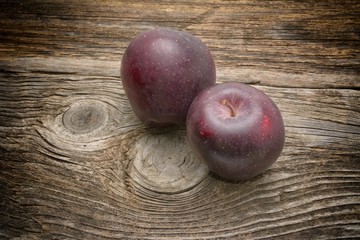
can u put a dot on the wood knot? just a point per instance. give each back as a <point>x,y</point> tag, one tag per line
<point>164,163</point>
<point>85,117</point>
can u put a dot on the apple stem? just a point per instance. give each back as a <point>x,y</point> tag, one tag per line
<point>231,107</point>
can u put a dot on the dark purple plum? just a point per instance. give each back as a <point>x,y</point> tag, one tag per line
<point>162,71</point>
<point>236,129</point>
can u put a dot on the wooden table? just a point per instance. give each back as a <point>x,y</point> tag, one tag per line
<point>75,163</point>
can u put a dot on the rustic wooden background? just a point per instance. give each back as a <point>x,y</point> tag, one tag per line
<point>75,163</point>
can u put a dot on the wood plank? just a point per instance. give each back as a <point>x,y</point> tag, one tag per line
<point>265,39</point>
<point>75,162</point>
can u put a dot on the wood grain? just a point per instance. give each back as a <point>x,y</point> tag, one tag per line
<point>75,162</point>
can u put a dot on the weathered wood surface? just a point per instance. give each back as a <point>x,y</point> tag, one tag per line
<point>75,163</point>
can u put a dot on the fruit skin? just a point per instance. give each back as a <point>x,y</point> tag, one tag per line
<point>236,129</point>
<point>162,71</point>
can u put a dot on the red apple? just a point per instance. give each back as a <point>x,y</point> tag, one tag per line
<point>236,130</point>
<point>162,71</point>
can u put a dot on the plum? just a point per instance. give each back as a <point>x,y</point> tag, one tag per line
<point>162,71</point>
<point>236,129</point>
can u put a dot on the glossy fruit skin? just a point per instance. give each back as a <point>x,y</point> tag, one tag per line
<point>162,71</point>
<point>236,147</point>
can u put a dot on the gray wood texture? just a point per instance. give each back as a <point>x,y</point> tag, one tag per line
<point>75,163</point>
